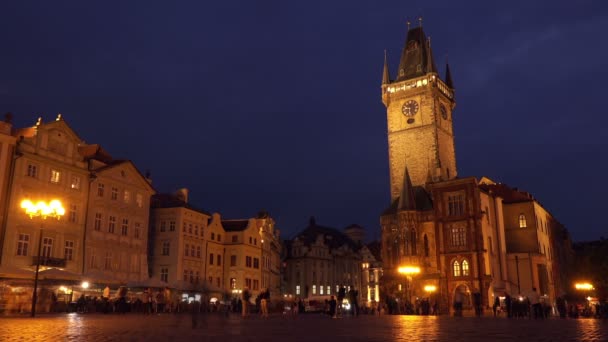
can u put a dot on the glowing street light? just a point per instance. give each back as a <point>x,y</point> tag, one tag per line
<point>583,286</point>
<point>85,285</point>
<point>42,210</point>
<point>409,270</point>
<point>430,288</point>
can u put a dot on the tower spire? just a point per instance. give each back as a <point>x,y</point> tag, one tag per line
<point>448,75</point>
<point>407,199</point>
<point>386,79</point>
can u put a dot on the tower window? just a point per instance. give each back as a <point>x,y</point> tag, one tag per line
<point>522,221</point>
<point>458,237</point>
<point>465,268</point>
<point>456,268</point>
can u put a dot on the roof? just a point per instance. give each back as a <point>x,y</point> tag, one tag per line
<point>417,57</point>
<point>95,151</point>
<point>422,199</point>
<point>172,201</point>
<point>509,195</point>
<point>332,237</point>
<point>235,225</point>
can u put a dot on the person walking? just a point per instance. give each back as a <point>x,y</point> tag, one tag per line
<point>245,296</point>
<point>264,298</point>
<point>535,303</point>
<point>332,307</point>
<point>496,305</point>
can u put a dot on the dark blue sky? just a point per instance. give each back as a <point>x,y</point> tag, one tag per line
<point>276,104</point>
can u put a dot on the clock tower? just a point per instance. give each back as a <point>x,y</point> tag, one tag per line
<point>419,108</point>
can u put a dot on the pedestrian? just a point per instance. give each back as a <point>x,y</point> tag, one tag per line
<point>535,303</point>
<point>508,305</point>
<point>341,295</point>
<point>332,307</point>
<point>195,309</point>
<point>245,296</point>
<point>264,298</point>
<point>496,305</point>
<point>458,303</point>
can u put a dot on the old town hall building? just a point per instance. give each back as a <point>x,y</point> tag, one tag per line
<point>443,234</point>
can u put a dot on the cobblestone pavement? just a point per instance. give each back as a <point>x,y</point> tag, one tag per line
<point>316,328</point>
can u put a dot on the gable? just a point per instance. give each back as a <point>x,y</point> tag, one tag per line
<point>125,172</point>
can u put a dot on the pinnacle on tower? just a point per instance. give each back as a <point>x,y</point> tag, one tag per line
<point>386,78</point>
<point>448,76</point>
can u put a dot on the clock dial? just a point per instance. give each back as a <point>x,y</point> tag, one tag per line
<point>444,112</point>
<point>410,108</point>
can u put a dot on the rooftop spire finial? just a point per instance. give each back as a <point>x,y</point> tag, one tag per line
<point>408,25</point>
<point>420,21</point>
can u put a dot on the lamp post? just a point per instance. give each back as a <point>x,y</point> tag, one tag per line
<point>430,289</point>
<point>41,210</point>
<point>409,271</point>
<point>585,288</point>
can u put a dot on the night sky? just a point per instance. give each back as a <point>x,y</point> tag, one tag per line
<point>276,104</point>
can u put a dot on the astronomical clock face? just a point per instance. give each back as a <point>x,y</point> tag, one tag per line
<point>410,108</point>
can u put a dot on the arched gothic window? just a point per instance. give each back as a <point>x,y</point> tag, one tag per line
<point>456,268</point>
<point>426,246</point>
<point>522,221</point>
<point>465,268</point>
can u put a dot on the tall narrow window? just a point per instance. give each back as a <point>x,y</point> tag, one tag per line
<point>69,250</point>
<point>166,246</point>
<point>522,221</point>
<point>171,226</point>
<point>137,230</point>
<point>73,213</point>
<point>456,268</point>
<point>97,221</point>
<point>219,260</point>
<point>233,260</point>
<point>22,244</point>
<point>47,247</point>
<point>75,184</point>
<point>187,250</point>
<point>233,283</point>
<point>108,261</point>
<point>55,176</point>
<point>32,170</point>
<point>140,200</point>
<point>298,289</point>
<point>211,259</point>
<point>164,274</point>
<point>314,289</point>
<point>465,268</point>
<point>127,196</point>
<point>111,224</point>
<point>198,251</point>
<point>426,246</point>
<point>114,194</point>
<point>455,205</point>
<point>100,189</point>
<point>124,230</point>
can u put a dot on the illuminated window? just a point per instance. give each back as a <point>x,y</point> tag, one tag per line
<point>522,221</point>
<point>314,289</point>
<point>328,290</point>
<point>69,250</point>
<point>75,184</point>
<point>458,237</point>
<point>23,244</point>
<point>140,200</point>
<point>297,289</point>
<point>456,268</point>
<point>127,196</point>
<point>465,268</point>
<point>320,290</point>
<point>233,283</point>
<point>55,176</point>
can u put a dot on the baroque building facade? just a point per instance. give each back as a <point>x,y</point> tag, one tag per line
<point>446,237</point>
<point>209,254</point>
<point>50,161</point>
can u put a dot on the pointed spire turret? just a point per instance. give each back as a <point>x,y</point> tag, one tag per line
<point>448,76</point>
<point>417,58</point>
<point>386,78</point>
<point>407,201</point>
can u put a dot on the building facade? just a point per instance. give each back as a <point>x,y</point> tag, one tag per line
<point>445,237</point>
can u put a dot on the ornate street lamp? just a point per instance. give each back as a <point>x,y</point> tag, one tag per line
<point>409,272</point>
<point>41,210</point>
